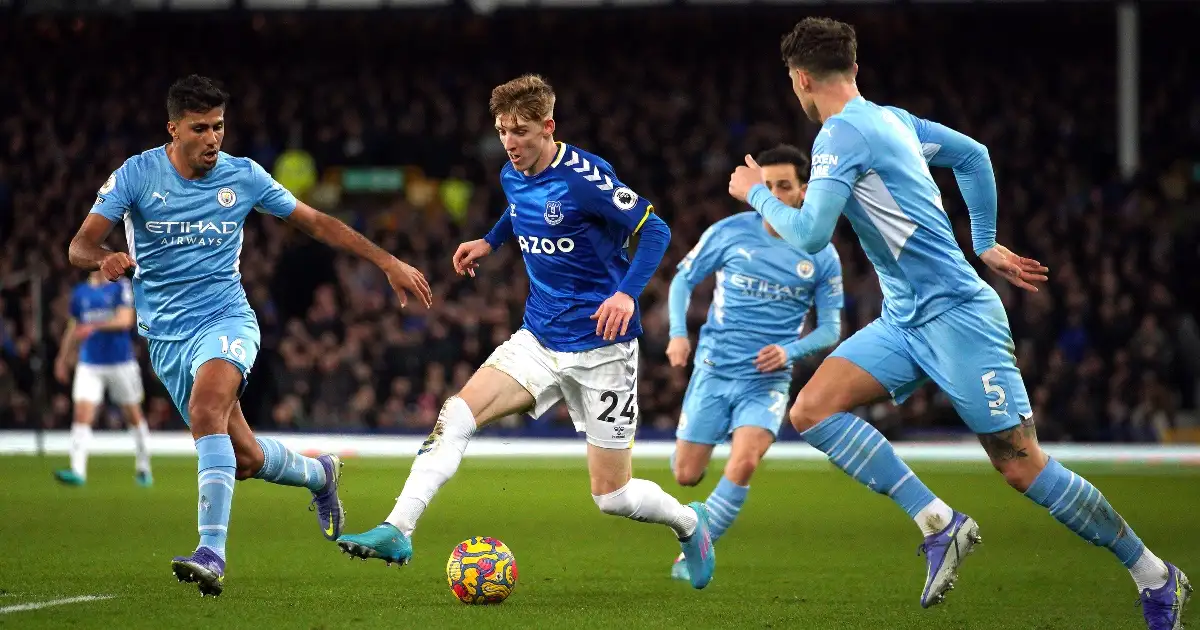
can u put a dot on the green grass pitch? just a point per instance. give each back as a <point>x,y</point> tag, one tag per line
<point>810,550</point>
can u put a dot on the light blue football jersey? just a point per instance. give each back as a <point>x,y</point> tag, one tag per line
<point>764,289</point>
<point>874,156</point>
<point>186,236</point>
<point>98,303</point>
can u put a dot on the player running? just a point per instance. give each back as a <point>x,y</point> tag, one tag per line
<point>940,320</point>
<point>99,331</point>
<point>743,372</point>
<point>184,206</point>
<point>572,218</point>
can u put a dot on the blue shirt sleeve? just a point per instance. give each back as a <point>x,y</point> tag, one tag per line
<point>704,258</point>
<point>272,197</point>
<point>840,156</point>
<point>501,232</point>
<point>828,293</point>
<point>811,227</point>
<point>945,147</point>
<point>600,193</point>
<point>119,192</point>
<point>651,247</point>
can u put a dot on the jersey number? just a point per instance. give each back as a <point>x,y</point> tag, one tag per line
<point>989,390</point>
<point>236,349</point>
<point>629,411</point>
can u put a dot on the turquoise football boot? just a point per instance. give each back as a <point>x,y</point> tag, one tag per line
<point>67,477</point>
<point>385,542</point>
<point>700,557</point>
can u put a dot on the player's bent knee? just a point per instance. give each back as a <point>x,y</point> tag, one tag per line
<point>808,411</point>
<point>688,474</point>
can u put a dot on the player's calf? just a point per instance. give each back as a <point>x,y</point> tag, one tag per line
<point>1074,502</point>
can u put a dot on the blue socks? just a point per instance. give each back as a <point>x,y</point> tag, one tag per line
<point>1079,505</point>
<point>216,467</point>
<point>723,506</point>
<point>863,453</point>
<point>288,468</point>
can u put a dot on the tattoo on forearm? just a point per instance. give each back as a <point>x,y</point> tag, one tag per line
<point>1010,444</point>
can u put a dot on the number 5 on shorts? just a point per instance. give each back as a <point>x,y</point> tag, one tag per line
<point>236,349</point>
<point>778,402</point>
<point>997,403</point>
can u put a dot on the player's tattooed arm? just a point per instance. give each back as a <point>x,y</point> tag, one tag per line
<point>334,233</point>
<point>1011,444</point>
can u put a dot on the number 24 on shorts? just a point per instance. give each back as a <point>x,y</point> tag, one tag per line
<point>236,349</point>
<point>612,399</point>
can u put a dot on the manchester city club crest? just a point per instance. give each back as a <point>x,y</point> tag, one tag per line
<point>554,213</point>
<point>226,197</point>
<point>805,269</point>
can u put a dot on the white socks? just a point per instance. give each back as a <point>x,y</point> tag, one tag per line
<point>645,501</point>
<point>436,463</point>
<point>141,442</point>
<point>1149,572</point>
<point>81,437</point>
<point>934,517</point>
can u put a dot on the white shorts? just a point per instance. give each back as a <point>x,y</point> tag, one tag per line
<point>122,381</point>
<point>599,385</point>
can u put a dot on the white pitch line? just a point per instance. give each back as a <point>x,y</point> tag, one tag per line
<point>54,602</point>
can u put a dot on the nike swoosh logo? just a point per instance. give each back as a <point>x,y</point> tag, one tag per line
<point>329,530</point>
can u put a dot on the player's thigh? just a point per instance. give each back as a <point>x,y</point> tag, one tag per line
<point>600,387</point>
<point>873,364</point>
<point>968,351</point>
<point>88,385</point>
<point>707,412</point>
<point>762,404</point>
<point>518,376</point>
<point>124,384</point>
<point>171,362</point>
<point>609,469</point>
<point>224,352</point>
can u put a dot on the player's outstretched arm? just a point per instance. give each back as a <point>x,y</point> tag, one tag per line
<point>810,228</point>
<point>466,257</point>
<point>87,249</point>
<point>704,259</point>
<point>322,227</point>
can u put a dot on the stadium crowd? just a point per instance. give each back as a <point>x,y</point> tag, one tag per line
<point>1109,349</point>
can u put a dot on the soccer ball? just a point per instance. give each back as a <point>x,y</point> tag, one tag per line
<point>481,571</point>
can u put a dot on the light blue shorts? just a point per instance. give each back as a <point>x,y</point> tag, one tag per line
<point>234,337</point>
<point>714,407</point>
<point>968,351</point>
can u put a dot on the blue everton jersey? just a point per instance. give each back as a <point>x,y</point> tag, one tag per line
<point>186,236</point>
<point>873,156</point>
<point>572,222</point>
<point>96,304</point>
<point>764,289</point>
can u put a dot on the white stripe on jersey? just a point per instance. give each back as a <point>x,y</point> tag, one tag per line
<point>719,298</point>
<point>875,198</point>
<point>129,241</point>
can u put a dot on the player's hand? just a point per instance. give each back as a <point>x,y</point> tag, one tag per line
<point>1016,269</point>
<point>744,178</point>
<point>771,358</point>
<point>115,265</point>
<point>83,331</point>
<point>405,279</point>
<point>678,350</point>
<point>62,372</point>
<point>466,258</point>
<point>612,318</point>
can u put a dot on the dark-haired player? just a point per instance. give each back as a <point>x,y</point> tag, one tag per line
<point>572,219</point>
<point>184,205</point>
<point>739,387</point>
<point>940,321</point>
